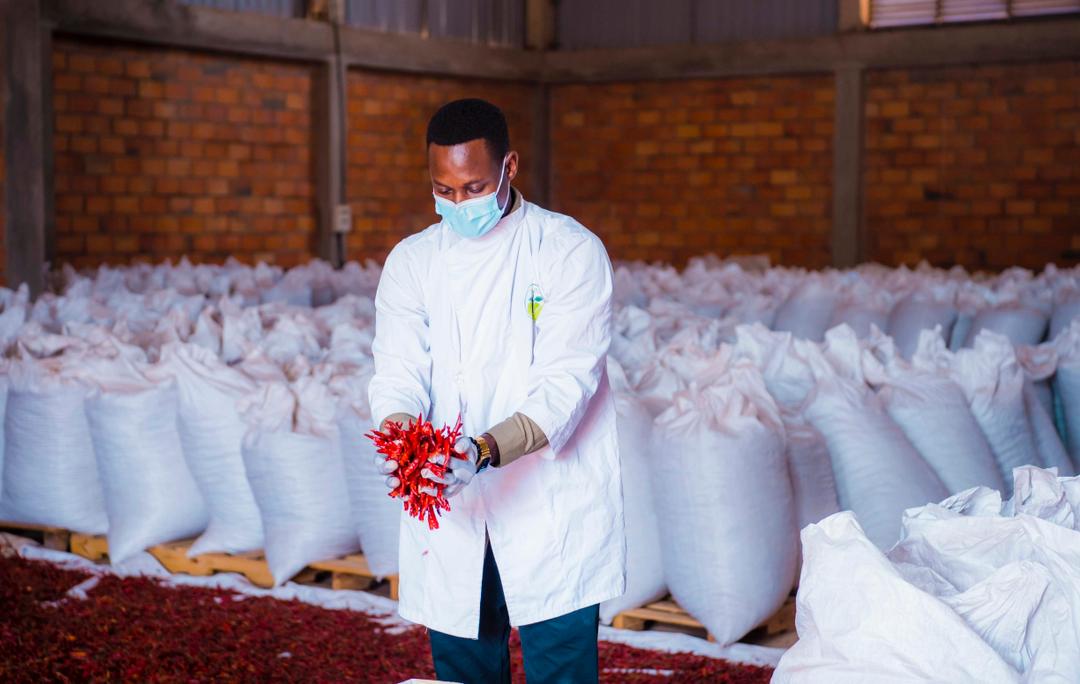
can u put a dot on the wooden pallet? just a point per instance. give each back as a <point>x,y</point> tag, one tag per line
<point>353,572</point>
<point>777,629</point>
<point>57,538</point>
<point>350,572</point>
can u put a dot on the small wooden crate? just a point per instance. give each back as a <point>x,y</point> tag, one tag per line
<point>57,538</point>
<point>779,626</point>
<point>351,572</point>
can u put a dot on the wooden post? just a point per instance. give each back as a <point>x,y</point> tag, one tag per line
<point>540,161</point>
<point>849,246</point>
<point>539,24</point>
<point>852,15</point>
<point>25,187</point>
<point>328,109</point>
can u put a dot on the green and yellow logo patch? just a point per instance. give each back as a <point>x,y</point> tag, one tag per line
<point>534,301</point>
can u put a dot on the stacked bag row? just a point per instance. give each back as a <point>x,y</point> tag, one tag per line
<point>975,590</point>
<point>228,403</point>
<point>163,415</point>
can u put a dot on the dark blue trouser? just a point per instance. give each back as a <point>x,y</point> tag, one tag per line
<point>561,650</point>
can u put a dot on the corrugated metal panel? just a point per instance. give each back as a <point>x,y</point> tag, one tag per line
<point>280,8</point>
<point>720,21</point>
<point>623,23</point>
<point>397,16</point>
<point>639,23</point>
<point>485,22</point>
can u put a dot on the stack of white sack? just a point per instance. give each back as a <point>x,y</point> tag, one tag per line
<point>376,516</point>
<point>125,387</point>
<point>1000,395</point>
<point>150,494</point>
<point>981,375</point>
<point>1067,385</point>
<point>644,564</point>
<point>974,591</point>
<point>50,474</point>
<point>785,369</point>
<point>293,459</point>
<point>724,503</point>
<point>211,433</point>
<point>878,471</point>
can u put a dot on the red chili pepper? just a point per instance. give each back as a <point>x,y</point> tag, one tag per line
<point>413,448</point>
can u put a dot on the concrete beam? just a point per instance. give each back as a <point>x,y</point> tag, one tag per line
<point>171,23</point>
<point>848,240</point>
<point>188,26</point>
<point>24,143</point>
<point>931,46</point>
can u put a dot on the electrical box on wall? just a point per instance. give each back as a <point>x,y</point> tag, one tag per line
<point>343,218</point>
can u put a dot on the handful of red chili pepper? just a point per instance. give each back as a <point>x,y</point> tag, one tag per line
<point>411,447</point>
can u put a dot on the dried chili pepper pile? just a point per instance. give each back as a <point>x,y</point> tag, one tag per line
<point>411,447</point>
<point>137,629</point>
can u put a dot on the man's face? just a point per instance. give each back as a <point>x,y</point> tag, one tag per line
<point>462,172</point>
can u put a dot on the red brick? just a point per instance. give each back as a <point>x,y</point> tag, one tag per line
<point>151,184</point>
<point>983,141</point>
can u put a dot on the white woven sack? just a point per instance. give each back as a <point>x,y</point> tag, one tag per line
<point>914,314</point>
<point>1021,324</point>
<point>211,433</point>
<point>878,471</point>
<point>993,382</point>
<point>724,501</point>
<point>644,562</point>
<point>859,620</point>
<point>375,516</point>
<point>150,495</point>
<point>934,415</point>
<point>293,461</point>
<point>50,474</point>
<point>1067,386</point>
<point>807,312</point>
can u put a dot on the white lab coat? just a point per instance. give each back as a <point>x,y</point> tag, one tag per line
<point>454,334</point>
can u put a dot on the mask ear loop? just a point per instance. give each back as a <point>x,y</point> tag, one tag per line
<point>498,189</point>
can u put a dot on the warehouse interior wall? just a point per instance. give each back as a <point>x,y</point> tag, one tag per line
<point>388,185</point>
<point>976,165</point>
<point>164,152</point>
<point>665,170</point>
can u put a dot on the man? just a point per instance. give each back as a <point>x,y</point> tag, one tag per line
<point>501,313</point>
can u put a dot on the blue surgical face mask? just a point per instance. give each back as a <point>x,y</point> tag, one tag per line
<point>475,217</point>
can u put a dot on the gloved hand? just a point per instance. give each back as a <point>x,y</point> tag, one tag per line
<point>459,472</point>
<point>384,464</point>
<point>387,466</point>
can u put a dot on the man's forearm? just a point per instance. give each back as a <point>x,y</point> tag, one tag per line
<point>517,436</point>
<point>514,437</point>
<point>403,418</point>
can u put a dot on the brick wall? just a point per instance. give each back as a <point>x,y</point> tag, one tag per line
<point>163,153</point>
<point>388,182</point>
<point>667,170</point>
<point>978,166</point>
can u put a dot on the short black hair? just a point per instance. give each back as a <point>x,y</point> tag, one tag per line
<point>462,121</point>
